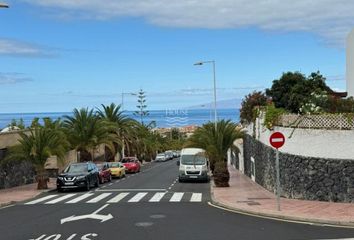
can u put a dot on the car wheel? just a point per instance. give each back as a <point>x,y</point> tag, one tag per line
<point>88,185</point>
<point>180,180</point>
<point>97,182</point>
<point>59,189</point>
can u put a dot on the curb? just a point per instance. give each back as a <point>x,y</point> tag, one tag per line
<point>3,205</point>
<point>6,204</point>
<point>278,217</point>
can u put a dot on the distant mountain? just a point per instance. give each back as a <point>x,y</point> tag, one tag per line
<point>223,104</point>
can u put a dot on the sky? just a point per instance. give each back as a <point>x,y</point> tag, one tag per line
<point>57,55</point>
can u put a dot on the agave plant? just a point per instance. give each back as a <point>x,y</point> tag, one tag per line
<point>216,142</point>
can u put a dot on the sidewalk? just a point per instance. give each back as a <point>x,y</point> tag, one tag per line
<point>246,196</point>
<point>10,196</point>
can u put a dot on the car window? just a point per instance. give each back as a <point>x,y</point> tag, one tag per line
<point>114,164</point>
<point>76,168</point>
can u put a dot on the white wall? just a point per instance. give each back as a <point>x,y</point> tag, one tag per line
<point>350,64</point>
<point>312,142</point>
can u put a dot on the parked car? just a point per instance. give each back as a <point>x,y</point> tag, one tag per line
<point>105,172</point>
<point>131,164</point>
<point>117,169</point>
<point>161,157</point>
<point>169,155</point>
<point>78,175</point>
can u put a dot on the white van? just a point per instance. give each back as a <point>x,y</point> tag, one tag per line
<point>193,165</point>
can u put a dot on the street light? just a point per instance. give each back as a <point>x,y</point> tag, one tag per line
<point>4,5</point>
<point>215,114</point>
<point>126,93</point>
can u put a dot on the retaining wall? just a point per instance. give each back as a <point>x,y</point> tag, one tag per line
<point>16,173</point>
<point>310,178</point>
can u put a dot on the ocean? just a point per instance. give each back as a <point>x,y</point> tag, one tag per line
<point>162,118</point>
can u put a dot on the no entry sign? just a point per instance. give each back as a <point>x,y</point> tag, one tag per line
<point>277,140</point>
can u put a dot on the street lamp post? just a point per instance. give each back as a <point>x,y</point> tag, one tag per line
<point>215,114</point>
<point>126,93</point>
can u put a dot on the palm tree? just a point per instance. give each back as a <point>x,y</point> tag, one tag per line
<point>216,143</point>
<point>86,131</point>
<point>37,146</point>
<point>122,125</point>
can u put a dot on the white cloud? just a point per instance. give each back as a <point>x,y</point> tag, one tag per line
<point>13,78</point>
<point>19,48</point>
<point>330,19</point>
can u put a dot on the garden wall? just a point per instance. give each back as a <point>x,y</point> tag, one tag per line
<point>16,173</point>
<point>301,177</point>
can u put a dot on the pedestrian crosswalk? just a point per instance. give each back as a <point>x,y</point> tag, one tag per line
<point>113,197</point>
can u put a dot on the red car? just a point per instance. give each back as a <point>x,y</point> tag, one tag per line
<point>131,164</point>
<point>104,172</point>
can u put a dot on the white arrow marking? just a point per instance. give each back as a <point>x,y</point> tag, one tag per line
<point>93,215</point>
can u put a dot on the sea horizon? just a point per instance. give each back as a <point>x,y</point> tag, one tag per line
<point>162,118</point>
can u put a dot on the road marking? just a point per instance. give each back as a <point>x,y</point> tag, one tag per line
<point>137,197</point>
<point>157,197</point>
<point>131,190</point>
<point>99,197</point>
<point>117,198</point>
<point>176,197</point>
<point>82,197</point>
<point>93,215</point>
<point>61,198</point>
<point>110,184</point>
<point>41,199</point>
<point>196,197</point>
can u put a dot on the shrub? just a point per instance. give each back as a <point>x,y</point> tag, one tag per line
<point>272,116</point>
<point>252,100</point>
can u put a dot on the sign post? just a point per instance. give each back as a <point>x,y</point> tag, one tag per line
<point>277,140</point>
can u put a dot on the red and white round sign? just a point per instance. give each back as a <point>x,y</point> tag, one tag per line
<point>277,140</point>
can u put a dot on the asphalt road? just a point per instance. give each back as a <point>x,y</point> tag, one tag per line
<point>147,205</point>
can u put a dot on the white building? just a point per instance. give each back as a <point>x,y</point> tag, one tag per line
<point>350,64</point>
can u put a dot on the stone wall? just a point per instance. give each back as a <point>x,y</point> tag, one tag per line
<point>310,178</point>
<point>16,173</point>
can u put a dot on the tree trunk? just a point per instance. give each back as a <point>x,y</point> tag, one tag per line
<point>221,175</point>
<point>85,156</point>
<point>42,179</point>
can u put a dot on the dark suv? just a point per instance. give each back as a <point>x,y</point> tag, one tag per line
<point>78,175</point>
